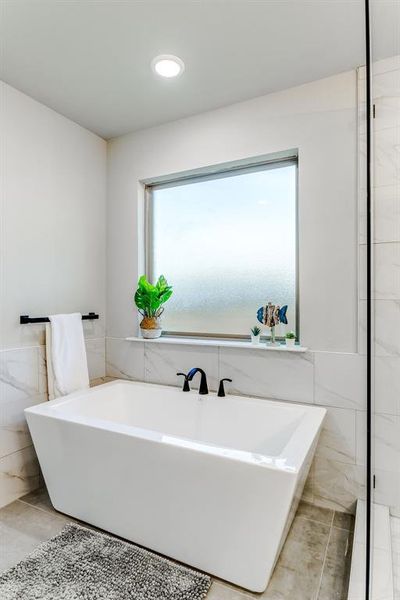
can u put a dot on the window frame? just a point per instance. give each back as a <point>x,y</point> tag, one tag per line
<point>218,172</point>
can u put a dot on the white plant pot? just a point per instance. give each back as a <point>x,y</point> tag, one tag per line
<point>290,343</point>
<point>255,339</point>
<point>150,334</point>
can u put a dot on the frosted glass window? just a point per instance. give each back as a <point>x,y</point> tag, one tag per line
<point>227,244</point>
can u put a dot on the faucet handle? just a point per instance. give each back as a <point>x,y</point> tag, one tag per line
<point>221,389</point>
<point>186,387</point>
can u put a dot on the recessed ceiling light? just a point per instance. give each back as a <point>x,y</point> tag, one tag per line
<point>167,65</point>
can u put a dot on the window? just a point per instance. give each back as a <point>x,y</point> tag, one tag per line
<point>227,243</point>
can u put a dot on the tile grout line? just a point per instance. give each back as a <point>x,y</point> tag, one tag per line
<point>324,523</point>
<point>313,520</point>
<point>342,528</point>
<point>52,513</point>
<point>325,555</point>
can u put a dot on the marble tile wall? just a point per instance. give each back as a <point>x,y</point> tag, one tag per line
<point>23,384</point>
<point>386,285</point>
<point>386,91</point>
<point>335,381</point>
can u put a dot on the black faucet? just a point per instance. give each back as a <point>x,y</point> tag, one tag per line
<point>221,390</point>
<point>203,389</point>
<point>186,387</point>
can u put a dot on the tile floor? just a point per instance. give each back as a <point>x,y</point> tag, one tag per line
<point>314,563</point>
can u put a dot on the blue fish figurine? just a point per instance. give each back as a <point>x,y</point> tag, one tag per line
<point>271,315</point>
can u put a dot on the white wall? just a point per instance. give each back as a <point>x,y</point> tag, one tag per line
<point>52,260</point>
<point>320,119</point>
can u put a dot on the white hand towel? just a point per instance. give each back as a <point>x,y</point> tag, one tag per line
<point>67,369</point>
<point>49,364</point>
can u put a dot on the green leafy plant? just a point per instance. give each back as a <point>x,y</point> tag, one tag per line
<point>255,330</point>
<point>290,335</point>
<point>150,298</point>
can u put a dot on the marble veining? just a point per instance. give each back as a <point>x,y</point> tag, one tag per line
<point>338,437</point>
<point>23,383</point>
<point>19,474</point>
<point>386,91</point>
<point>96,357</point>
<point>387,321</point>
<point>386,215</point>
<point>337,485</point>
<point>386,157</point>
<point>387,271</point>
<point>14,434</point>
<point>386,441</point>
<point>387,384</point>
<point>19,373</point>
<point>162,362</point>
<point>276,375</point>
<point>340,380</point>
<point>123,360</point>
<point>19,388</point>
<point>387,490</point>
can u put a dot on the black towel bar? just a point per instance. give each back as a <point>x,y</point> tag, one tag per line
<point>25,319</point>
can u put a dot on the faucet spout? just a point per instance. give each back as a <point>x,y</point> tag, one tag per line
<point>203,389</point>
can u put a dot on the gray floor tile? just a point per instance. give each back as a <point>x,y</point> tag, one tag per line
<point>292,584</point>
<point>315,513</point>
<point>298,572</point>
<point>220,591</point>
<point>40,499</point>
<point>344,521</point>
<point>22,528</point>
<point>335,575</point>
<point>309,537</point>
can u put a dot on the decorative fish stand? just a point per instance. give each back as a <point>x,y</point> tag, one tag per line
<point>270,316</point>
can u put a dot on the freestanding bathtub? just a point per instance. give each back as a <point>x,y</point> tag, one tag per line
<point>212,482</point>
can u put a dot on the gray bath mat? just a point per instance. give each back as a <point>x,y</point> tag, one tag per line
<point>81,564</point>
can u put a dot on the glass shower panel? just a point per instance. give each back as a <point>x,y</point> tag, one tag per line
<point>385,97</point>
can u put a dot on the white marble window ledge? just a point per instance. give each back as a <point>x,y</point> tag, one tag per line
<point>182,341</point>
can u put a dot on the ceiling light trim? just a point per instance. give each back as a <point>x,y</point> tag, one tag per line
<point>159,64</point>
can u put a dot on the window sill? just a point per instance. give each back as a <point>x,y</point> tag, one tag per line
<point>218,343</point>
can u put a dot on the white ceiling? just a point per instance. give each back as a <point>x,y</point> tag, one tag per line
<point>90,59</point>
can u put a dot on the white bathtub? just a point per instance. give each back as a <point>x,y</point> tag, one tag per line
<point>212,482</point>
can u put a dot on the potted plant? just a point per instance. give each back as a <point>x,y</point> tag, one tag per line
<point>290,339</point>
<point>255,335</point>
<point>149,300</point>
